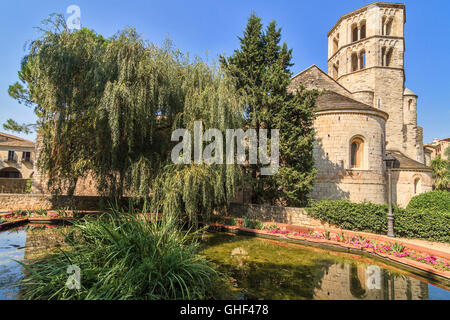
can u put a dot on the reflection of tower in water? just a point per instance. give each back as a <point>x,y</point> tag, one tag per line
<point>351,282</point>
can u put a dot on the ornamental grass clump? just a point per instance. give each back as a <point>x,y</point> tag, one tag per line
<point>124,256</point>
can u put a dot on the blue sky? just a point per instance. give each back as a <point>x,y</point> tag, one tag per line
<point>209,28</point>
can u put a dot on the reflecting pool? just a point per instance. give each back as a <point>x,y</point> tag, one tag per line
<point>25,245</point>
<point>252,268</point>
<point>267,269</point>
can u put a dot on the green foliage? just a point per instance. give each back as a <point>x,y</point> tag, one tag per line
<point>12,125</point>
<point>369,217</point>
<point>271,227</point>
<point>396,247</point>
<point>61,79</point>
<point>28,186</point>
<point>436,200</point>
<point>195,189</point>
<point>124,256</point>
<point>441,172</point>
<point>41,212</point>
<point>253,224</point>
<point>261,69</point>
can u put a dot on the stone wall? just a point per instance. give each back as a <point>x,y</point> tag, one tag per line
<point>313,78</point>
<point>409,183</point>
<point>335,178</point>
<point>13,185</point>
<point>289,215</point>
<point>47,202</point>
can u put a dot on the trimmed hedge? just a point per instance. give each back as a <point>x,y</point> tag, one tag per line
<point>437,200</point>
<point>369,217</point>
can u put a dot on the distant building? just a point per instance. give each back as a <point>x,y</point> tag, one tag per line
<point>16,163</point>
<point>436,148</point>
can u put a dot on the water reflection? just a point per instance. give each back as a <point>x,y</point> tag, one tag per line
<point>25,245</point>
<point>360,282</point>
<point>11,248</point>
<point>264,269</point>
<point>254,268</point>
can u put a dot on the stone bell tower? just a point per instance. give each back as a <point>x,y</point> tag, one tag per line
<point>366,55</point>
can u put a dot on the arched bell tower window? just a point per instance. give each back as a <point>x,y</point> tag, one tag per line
<point>386,56</point>
<point>336,44</point>
<point>356,153</point>
<point>362,30</point>
<point>389,57</point>
<point>389,27</point>
<point>354,32</point>
<point>362,59</point>
<point>354,61</point>
<point>336,70</point>
<point>386,26</point>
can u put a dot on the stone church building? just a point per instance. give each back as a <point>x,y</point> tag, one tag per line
<point>366,111</point>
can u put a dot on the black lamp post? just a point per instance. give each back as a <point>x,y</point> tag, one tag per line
<point>389,160</point>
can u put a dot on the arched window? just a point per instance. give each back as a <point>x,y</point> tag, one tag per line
<point>363,30</point>
<point>10,173</point>
<point>336,44</point>
<point>409,104</point>
<point>386,26</point>
<point>336,70</point>
<point>354,62</point>
<point>354,33</point>
<point>389,27</point>
<point>389,57</point>
<point>362,59</point>
<point>417,186</point>
<point>386,56</point>
<point>356,153</point>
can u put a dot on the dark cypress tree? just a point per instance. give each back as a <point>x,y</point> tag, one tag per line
<point>261,68</point>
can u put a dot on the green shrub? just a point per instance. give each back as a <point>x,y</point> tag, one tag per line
<point>122,256</point>
<point>253,224</point>
<point>369,217</point>
<point>28,186</point>
<point>436,200</point>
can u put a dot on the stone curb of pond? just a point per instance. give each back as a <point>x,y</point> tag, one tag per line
<point>429,270</point>
<point>372,236</point>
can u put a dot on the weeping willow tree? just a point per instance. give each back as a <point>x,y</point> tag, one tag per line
<point>141,96</point>
<point>106,108</point>
<point>59,78</point>
<point>196,189</point>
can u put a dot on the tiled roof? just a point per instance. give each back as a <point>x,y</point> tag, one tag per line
<point>404,162</point>
<point>331,100</point>
<point>13,141</point>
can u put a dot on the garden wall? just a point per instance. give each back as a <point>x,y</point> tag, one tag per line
<point>265,213</point>
<point>13,185</point>
<point>47,202</point>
